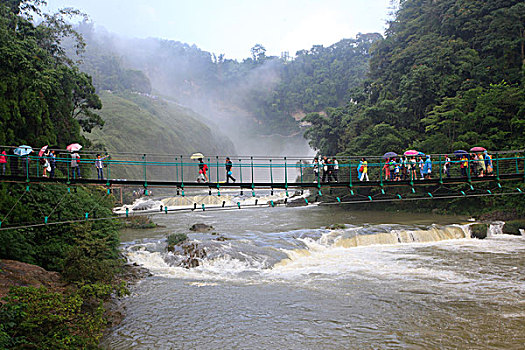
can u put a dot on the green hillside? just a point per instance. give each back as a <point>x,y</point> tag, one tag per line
<point>137,123</point>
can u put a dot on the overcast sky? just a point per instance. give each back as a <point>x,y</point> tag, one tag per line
<point>232,27</point>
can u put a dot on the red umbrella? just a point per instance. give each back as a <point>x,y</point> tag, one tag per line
<point>74,147</point>
<point>477,149</point>
<point>42,151</point>
<point>411,153</point>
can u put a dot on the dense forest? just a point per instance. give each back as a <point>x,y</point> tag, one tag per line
<point>448,75</point>
<point>260,95</point>
<point>46,99</point>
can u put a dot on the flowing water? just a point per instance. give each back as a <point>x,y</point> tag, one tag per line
<point>282,280</point>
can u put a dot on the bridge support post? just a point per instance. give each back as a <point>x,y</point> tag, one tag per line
<point>440,171</point>
<point>176,170</point>
<point>240,172</point>
<point>145,178</point>
<point>301,170</point>
<point>285,177</point>
<point>253,186</point>
<point>217,158</point>
<point>181,176</point>
<point>271,177</point>
<point>497,166</point>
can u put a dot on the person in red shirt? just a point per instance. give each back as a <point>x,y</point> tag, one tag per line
<point>203,169</point>
<point>3,161</point>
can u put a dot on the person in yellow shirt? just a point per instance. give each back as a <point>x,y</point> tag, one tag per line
<point>364,173</point>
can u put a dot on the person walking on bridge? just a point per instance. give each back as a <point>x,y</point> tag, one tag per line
<point>315,167</point>
<point>52,163</point>
<point>3,161</point>
<point>363,167</point>
<point>229,165</point>
<point>75,165</point>
<point>324,163</point>
<point>336,169</point>
<point>203,168</point>
<point>100,166</point>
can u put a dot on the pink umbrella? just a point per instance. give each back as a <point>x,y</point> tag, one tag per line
<point>477,149</point>
<point>42,150</point>
<point>74,147</point>
<point>411,153</point>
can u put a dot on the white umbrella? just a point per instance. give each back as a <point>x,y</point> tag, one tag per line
<point>197,155</point>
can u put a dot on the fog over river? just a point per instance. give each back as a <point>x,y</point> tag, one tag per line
<point>282,280</point>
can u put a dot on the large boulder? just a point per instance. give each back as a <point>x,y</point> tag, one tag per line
<point>513,227</point>
<point>194,254</point>
<point>478,231</point>
<point>201,228</point>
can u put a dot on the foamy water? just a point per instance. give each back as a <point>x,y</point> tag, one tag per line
<point>283,280</point>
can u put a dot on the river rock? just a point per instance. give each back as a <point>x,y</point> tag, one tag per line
<point>513,227</point>
<point>478,231</point>
<point>296,202</point>
<point>194,254</point>
<point>201,228</point>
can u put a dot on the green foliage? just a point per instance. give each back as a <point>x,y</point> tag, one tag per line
<point>139,222</point>
<point>44,99</point>
<point>176,238</point>
<point>478,231</point>
<point>38,318</point>
<point>56,247</point>
<point>139,122</point>
<point>448,75</point>
<point>513,227</point>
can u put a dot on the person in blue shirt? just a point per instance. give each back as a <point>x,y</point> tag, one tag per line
<point>427,168</point>
<point>488,163</point>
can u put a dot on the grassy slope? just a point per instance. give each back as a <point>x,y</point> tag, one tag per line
<point>141,124</point>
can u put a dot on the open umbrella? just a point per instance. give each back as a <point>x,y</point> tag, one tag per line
<point>477,149</point>
<point>23,150</point>
<point>74,147</point>
<point>42,150</point>
<point>390,155</point>
<point>411,153</point>
<point>460,152</point>
<point>197,155</point>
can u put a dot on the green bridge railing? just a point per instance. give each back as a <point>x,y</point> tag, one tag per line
<point>250,171</point>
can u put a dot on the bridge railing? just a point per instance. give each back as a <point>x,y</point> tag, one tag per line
<point>248,169</point>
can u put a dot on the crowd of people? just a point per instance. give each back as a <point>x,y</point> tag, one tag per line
<point>408,167</point>
<point>47,164</point>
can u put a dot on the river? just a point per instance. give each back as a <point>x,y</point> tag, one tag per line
<point>282,280</point>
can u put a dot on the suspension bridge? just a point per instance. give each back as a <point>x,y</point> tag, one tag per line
<point>256,175</point>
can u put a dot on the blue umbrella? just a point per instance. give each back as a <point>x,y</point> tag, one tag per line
<point>390,155</point>
<point>23,150</point>
<point>460,152</point>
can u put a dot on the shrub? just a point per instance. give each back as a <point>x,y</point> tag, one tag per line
<point>478,231</point>
<point>176,238</point>
<point>513,227</point>
<point>41,319</point>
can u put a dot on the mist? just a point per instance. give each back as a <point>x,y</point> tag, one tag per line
<point>221,91</point>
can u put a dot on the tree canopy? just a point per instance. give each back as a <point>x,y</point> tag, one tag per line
<point>449,74</point>
<point>44,97</point>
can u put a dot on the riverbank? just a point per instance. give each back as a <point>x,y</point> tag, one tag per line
<point>33,298</point>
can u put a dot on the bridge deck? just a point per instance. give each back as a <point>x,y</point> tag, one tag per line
<point>261,185</point>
